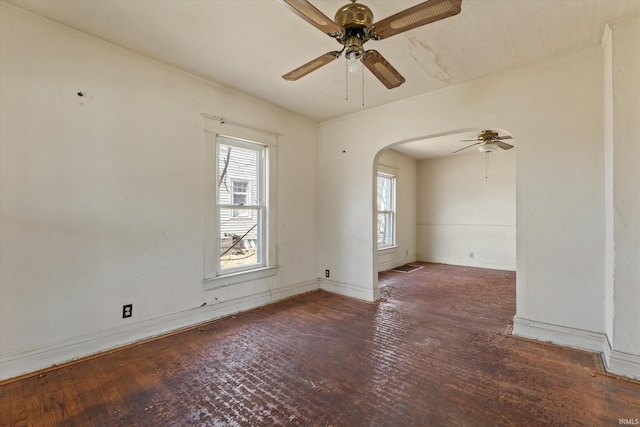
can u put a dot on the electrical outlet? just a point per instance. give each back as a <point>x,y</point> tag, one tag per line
<point>471,255</point>
<point>326,273</point>
<point>127,311</point>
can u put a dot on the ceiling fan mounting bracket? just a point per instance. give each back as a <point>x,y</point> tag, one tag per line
<point>372,34</point>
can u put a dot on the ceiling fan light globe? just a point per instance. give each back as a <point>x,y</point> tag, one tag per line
<point>487,148</point>
<point>353,65</point>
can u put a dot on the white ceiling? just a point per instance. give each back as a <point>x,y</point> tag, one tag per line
<point>249,44</point>
<point>445,145</point>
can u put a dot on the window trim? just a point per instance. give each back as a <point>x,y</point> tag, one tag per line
<point>213,278</point>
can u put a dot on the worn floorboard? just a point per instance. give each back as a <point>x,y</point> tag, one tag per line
<point>434,351</point>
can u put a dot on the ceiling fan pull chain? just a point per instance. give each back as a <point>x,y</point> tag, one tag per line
<point>486,165</point>
<point>362,86</point>
<point>346,80</point>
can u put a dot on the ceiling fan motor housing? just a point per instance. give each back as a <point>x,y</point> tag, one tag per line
<point>354,16</point>
<point>487,135</point>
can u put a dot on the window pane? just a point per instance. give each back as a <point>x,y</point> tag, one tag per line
<point>385,229</point>
<point>385,203</point>
<point>240,206</point>
<point>240,186</point>
<point>384,193</point>
<point>237,175</point>
<point>239,239</point>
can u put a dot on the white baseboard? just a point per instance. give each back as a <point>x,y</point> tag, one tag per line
<point>32,359</point>
<point>561,335</point>
<point>29,360</point>
<point>491,264</point>
<point>624,364</point>
<point>616,362</point>
<point>353,291</point>
<point>388,265</point>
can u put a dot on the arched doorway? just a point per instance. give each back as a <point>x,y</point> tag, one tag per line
<point>448,208</point>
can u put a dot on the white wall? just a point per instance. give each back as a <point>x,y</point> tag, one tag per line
<point>554,111</point>
<point>102,204</point>
<point>102,196</point>
<point>622,145</point>
<point>467,209</point>
<point>404,168</point>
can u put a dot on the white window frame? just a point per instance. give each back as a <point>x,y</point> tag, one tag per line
<point>214,277</point>
<point>390,212</point>
<point>249,209</point>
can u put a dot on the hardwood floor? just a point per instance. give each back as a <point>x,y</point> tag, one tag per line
<point>434,351</point>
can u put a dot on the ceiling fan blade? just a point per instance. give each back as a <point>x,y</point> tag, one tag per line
<point>311,66</point>
<point>469,140</point>
<point>381,68</point>
<point>313,16</point>
<point>468,146</point>
<point>416,16</point>
<point>503,145</point>
<point>504,137</point>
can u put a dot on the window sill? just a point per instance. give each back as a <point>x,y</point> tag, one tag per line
<point>211,283</point>
<point>387,250</point>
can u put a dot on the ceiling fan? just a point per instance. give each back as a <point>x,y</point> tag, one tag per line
<point>354,26</point>
<point>488,141</point>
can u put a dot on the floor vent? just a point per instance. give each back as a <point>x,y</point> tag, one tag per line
<point>408,268</point>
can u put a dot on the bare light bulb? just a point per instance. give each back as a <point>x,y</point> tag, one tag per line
<point>353,65</point>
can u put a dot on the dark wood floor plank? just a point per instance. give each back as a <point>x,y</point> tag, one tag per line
<point>31,394</point>
<point>13,411</point>
<point>434,350</point>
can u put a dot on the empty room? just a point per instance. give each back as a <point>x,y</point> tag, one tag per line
<point>211,213</point>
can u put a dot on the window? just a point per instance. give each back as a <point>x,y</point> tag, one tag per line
<point>240,217</point>
<point>240,195</point>
<point>240,183</point>
<point>386,210</point>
